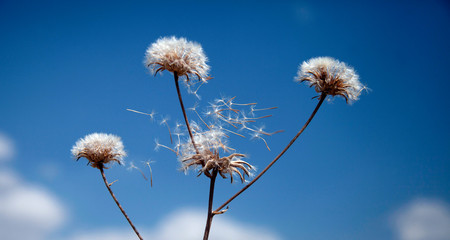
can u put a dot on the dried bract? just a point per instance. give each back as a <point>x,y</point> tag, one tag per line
<point>99,149</point>
<point>332,77</point>
<point>177,55</point>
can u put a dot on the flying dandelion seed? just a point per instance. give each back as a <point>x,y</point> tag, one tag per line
<point>152,114</point>
<point>132,166</point>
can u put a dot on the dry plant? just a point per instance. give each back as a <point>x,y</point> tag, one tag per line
<point>100,149</point>
<point>207,149</point>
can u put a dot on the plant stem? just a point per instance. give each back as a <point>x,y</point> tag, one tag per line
<point>118,204</point>
<point>175,74</point>
<point>321,99</point>
<point>210,203</point>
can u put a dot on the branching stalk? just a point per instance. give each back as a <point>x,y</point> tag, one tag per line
<point>321,99</point>
<point>118,204</point>
<point>210,203</point>
<point>175,74</point>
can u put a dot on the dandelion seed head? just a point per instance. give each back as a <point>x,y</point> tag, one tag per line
<point>99,149</point>
<point>194,92</point>
<point>164,120</point>
<point>330,76</point>
<point>194,108</point>
<point>252,110</point>
<point>157,144</point>
<point>132,166</point>
<point>255,135</point>
<point>152,115</point>
<point>178,55</point>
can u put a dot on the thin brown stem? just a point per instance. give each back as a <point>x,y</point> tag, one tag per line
<point>210,203</point>
<point>117,202</point>
<point>175,74</point>
<point>321,99</point>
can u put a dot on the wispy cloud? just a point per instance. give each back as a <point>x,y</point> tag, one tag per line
<point>423,219</point>
<point>6,148</point>
<point>187,224</point>
<point>27,211</point>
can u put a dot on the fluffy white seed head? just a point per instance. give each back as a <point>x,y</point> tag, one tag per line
<point>332,77</point>
<point>177,55</point>
<point>210,144</point>
<point>208,141</point>
<point>99,149</point>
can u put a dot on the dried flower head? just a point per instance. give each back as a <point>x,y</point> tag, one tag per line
<point>209,144</point>
<point>328,75</point>
<point>99,149</point>
<point>177,55</point>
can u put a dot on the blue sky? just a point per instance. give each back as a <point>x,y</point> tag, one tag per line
<point>70,68</point>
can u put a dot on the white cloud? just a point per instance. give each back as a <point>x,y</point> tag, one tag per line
<point>6,148</point>
<point>423,219</point>
<point>108,234</point>
<point>27,211</point>
<point>187,224</point>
